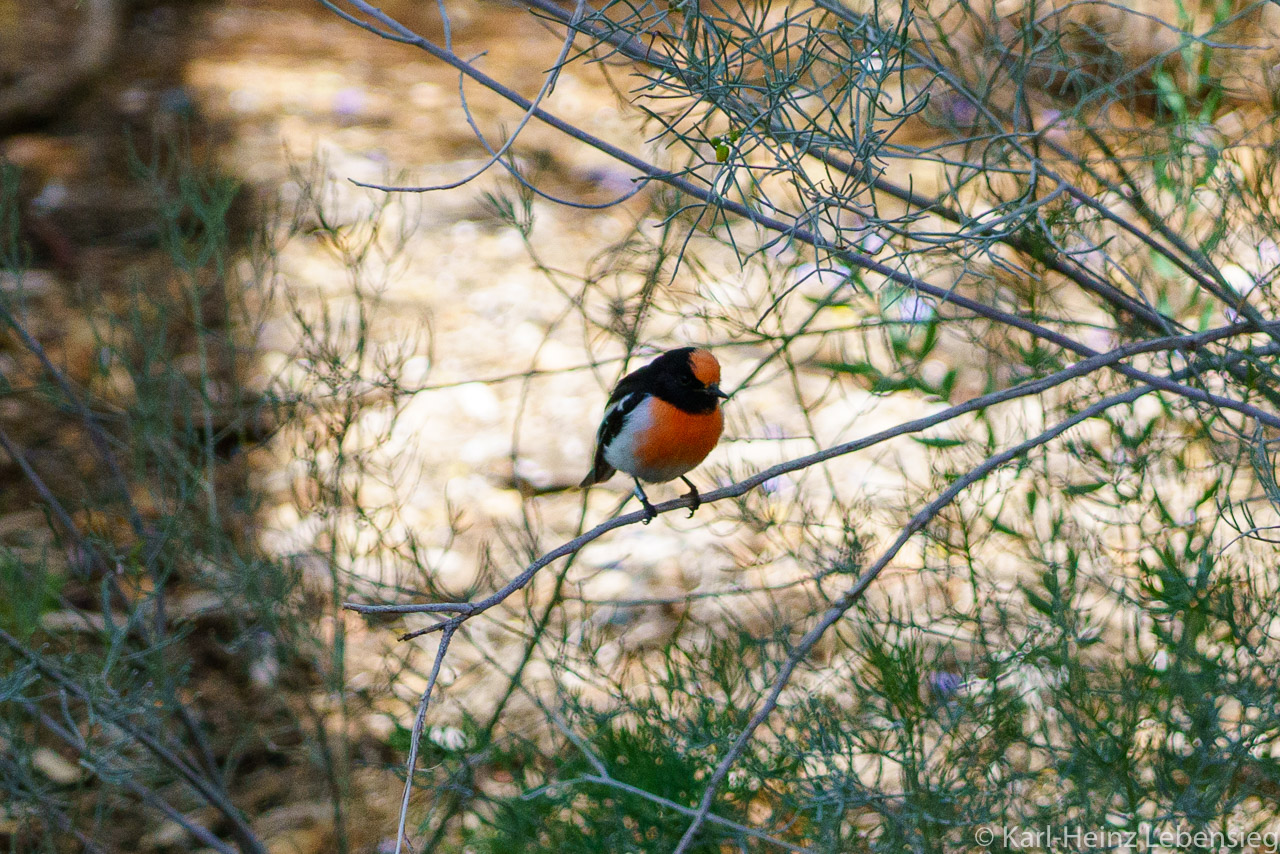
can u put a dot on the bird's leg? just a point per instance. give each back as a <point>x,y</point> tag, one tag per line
<point>649,512</point>
<point>692,496</point>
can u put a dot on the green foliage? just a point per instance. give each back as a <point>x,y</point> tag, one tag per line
<point>620,784</point>
<point>146,569</point>
<point>1084,637</point>
<point>27,592</point>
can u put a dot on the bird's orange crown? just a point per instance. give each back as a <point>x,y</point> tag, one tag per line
<point>705,367</point>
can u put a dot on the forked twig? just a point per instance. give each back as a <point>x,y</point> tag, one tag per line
<point>702,197</point>
<point>418,722</point>
<point>463,611</point>
<point>854,593</point>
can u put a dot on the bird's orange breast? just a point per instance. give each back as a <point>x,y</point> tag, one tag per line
<point>675,441</point>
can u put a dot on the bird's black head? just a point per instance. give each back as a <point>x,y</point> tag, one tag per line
<point>688,377</point>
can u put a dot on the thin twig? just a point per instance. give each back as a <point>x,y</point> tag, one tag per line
<point>98,436</point>
<point>547,85</point>
<point>418,722</point>
<point>210,791</point>
<point>49,809</point>
<point>126,781</point>
<point>794,230</point>
<point>46,495</point>
<point>854,593</point>
<point>465,610</point>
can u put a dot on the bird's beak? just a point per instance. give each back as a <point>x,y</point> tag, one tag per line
<point>715,389</point>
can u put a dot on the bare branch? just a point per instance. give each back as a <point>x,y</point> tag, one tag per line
<point>418,721</point>
<point>209,790</point>
<point>466,610</point>
<point>854,593</point>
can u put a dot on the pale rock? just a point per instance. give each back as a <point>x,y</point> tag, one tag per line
<point>55,768</point>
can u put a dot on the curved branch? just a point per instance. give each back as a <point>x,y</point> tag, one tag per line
<point>463,611</point>
<point>854,593</point>
<point>1085,278</point>
<point>709,196</point>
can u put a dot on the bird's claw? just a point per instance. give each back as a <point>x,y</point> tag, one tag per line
<point>650,513</point>
<point>695,500</point>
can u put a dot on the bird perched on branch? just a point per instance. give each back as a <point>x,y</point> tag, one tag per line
<point>660,422</point>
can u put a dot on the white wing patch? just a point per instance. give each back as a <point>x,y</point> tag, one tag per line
<point>620,403</point>
<point>621,450</point>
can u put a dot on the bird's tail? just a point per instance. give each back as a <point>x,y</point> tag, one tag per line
<point>598,474</point>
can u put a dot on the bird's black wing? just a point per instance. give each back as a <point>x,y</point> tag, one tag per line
<point>625,398</point>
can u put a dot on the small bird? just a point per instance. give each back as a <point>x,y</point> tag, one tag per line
<point>660,422</point>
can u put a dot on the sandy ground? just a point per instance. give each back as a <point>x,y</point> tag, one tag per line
<point>461,469</point>
<point>472,451</point>
<point>459,376</point>
<point>460,306</point>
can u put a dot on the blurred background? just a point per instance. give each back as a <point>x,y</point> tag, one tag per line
<point>238,390</point>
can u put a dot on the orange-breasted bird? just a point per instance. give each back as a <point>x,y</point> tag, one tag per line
<point>660,422</point>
